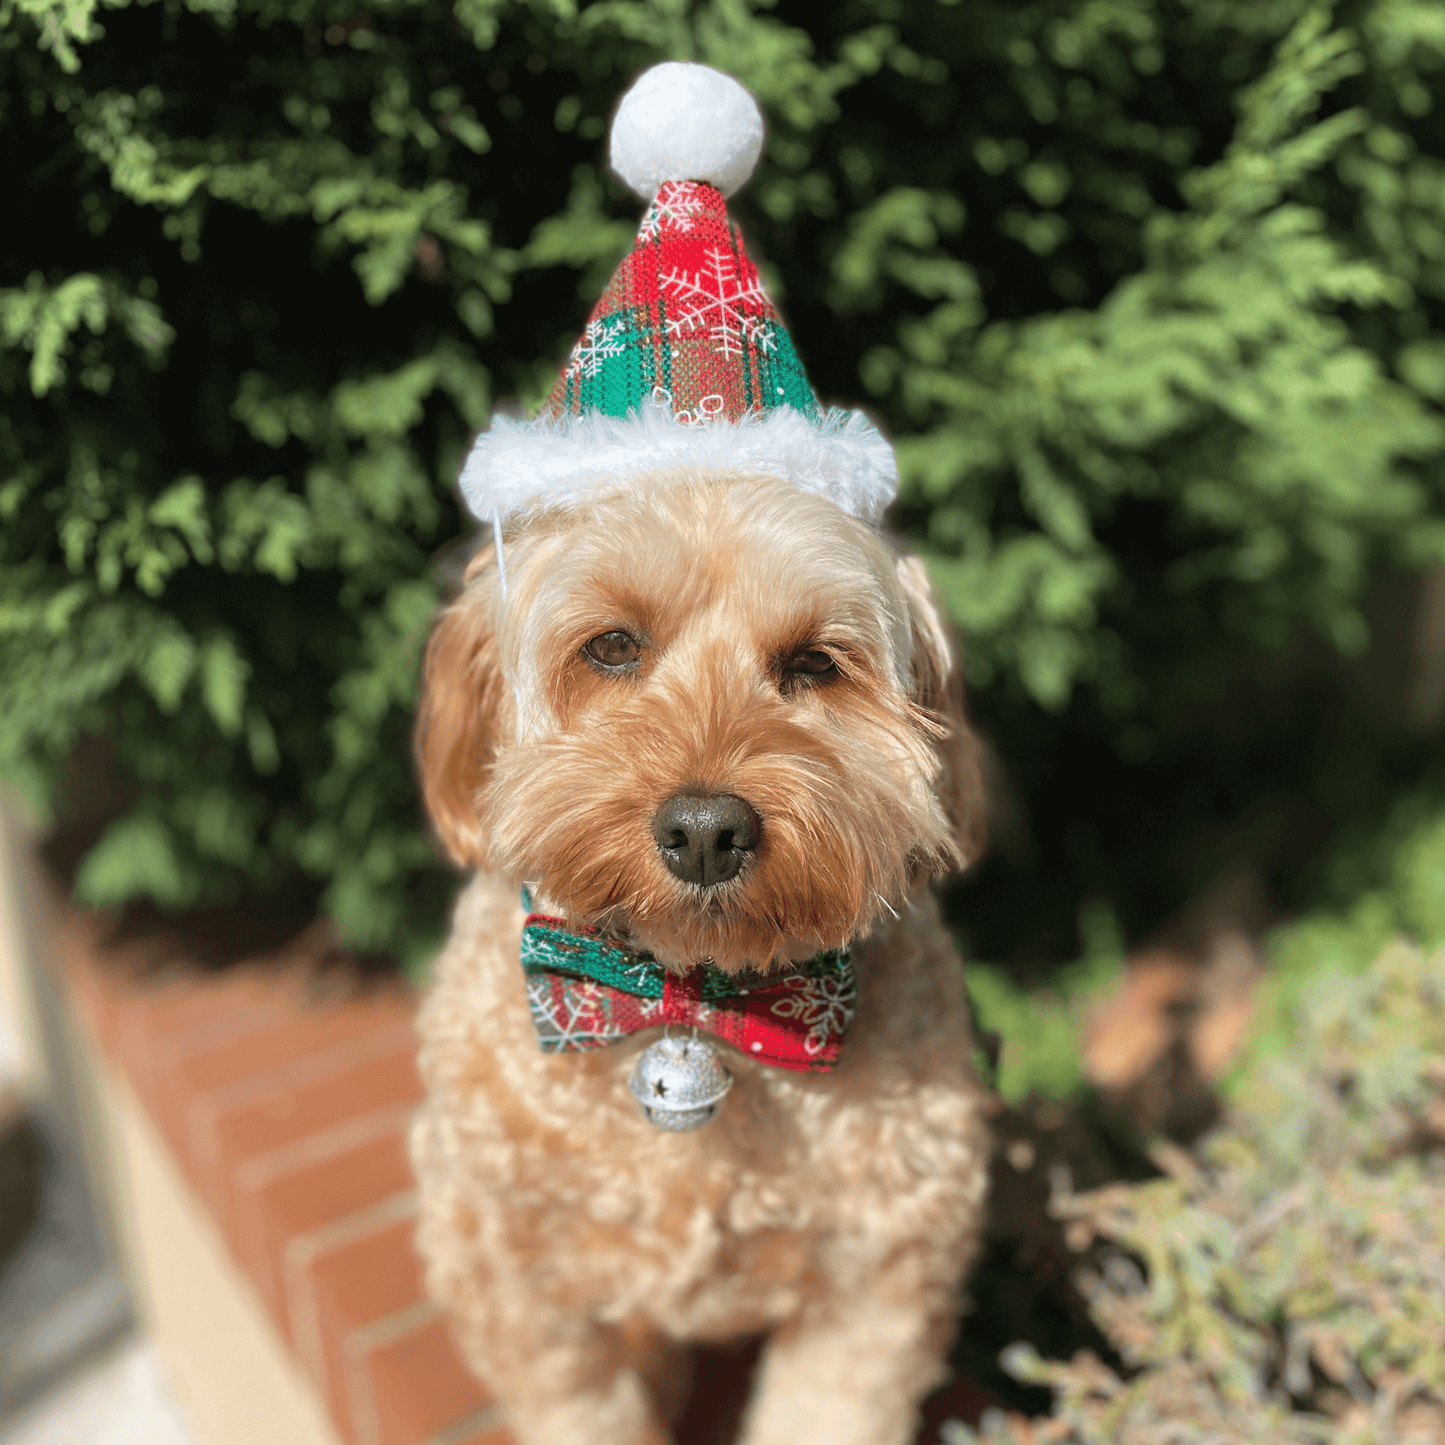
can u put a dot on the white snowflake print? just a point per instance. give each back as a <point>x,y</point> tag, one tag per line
<point>825,1004</point>
<point>637,970</point>
<point>713,299</point>
<point>578,1018</point>
<point>709,408</point>
<point>674,214</point>
<point>600,341</point>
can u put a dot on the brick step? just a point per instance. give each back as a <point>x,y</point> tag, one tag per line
<point>285,1103</point>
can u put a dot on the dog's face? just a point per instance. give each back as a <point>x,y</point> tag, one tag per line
<point>715,717</point>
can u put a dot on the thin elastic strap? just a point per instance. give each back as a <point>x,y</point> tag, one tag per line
<point>501,559</point>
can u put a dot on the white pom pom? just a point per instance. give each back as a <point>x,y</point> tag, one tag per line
<point>685,122</point>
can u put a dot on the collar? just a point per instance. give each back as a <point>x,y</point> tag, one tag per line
<point>586,992</point>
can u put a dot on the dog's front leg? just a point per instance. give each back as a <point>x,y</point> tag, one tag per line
<point>562,1379</point>
<point>852,1371</point>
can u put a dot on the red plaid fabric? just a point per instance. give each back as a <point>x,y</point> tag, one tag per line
<point>586,992</point>
<point>684,321</point>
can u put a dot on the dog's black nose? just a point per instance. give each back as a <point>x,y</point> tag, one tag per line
<point>703,837</point>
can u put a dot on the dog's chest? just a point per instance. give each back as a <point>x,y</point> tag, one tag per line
<point>719,1231</point>
<point>693,1236</point>
<point>723,1230</point>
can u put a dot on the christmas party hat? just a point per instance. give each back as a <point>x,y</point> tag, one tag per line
<point>685,362</point>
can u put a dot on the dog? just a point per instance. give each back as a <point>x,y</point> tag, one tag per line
<point>722,637</point>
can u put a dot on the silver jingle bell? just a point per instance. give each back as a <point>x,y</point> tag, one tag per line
<point>679,1082</point>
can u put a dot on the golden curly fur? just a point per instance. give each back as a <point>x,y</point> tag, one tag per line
<point>573,1244</point>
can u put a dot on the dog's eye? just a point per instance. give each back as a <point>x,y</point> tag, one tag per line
<point>808,665</point>
<point>613,650</point>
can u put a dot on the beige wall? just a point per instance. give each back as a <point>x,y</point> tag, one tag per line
<point>23,1069</point>
<point>236,1381</point>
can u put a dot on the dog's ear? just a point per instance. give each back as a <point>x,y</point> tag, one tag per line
<point>462,713</point>
<point>937,687</point>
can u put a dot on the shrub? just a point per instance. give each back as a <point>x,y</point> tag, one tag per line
<point>1286,1280</point>
<point>1289,1283</point>
<point>1148,292</point>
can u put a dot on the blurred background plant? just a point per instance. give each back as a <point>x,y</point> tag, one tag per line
<point>1151,1119</point>
<point>1149,292</point>
<point>1286,1280</point>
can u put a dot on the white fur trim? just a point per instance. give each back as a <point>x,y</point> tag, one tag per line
<point>518,467</point>
<point>685,122</point>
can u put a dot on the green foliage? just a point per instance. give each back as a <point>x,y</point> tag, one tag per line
<point>1409,901</point>
<point>1219,380</point>
<point>1149,293</point>
<point>1289,1284</point>
<point>1039,1029</point>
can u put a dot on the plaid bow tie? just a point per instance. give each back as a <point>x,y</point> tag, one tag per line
<point>586,992</point>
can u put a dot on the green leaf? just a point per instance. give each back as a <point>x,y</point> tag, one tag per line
<point>136,857</point>
<point>224,673</point>
<point>168,666</point>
